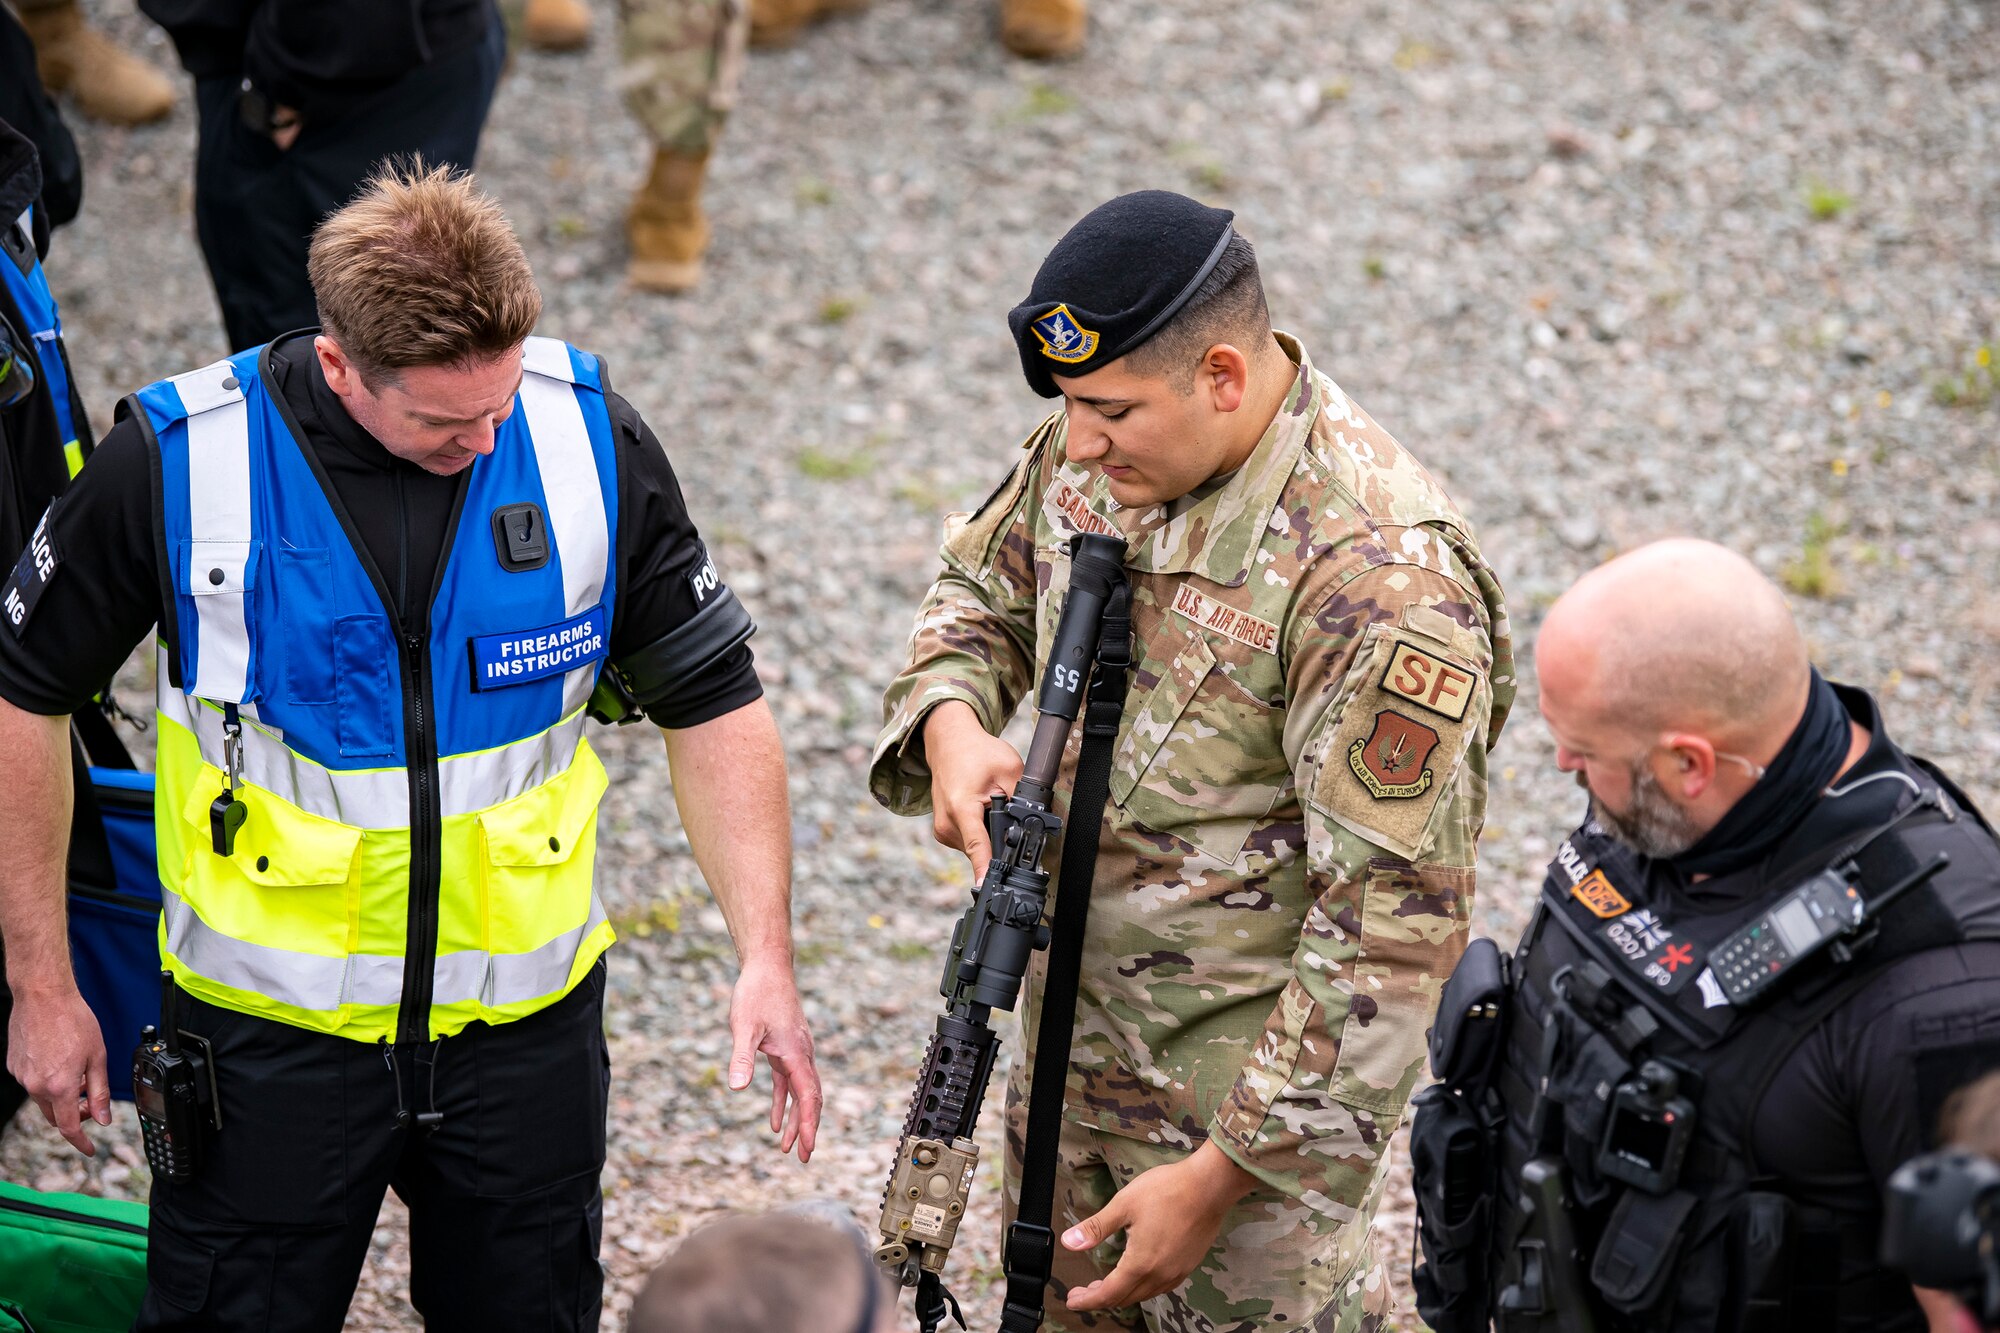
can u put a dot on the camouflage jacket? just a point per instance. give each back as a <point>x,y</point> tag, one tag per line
<point>1285,870</point>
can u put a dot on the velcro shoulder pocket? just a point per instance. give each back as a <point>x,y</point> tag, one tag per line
<point>1414,704</point>
<point>972,540</point>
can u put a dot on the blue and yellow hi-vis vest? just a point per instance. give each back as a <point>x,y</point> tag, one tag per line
<point>422,812</point>
<point>29,286</point>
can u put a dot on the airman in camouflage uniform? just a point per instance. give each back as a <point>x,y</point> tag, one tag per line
<point>682,62</point>
<point>1286,867</point>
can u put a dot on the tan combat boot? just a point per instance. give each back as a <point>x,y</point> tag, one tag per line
<point>775,22</point>
<point>665,225</point>
<point>556,25</point>
<point>1043,29</point>
<point>110,83</point>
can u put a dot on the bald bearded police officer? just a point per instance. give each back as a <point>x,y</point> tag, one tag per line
<point>1753,976</point>
<point>1285,869</point>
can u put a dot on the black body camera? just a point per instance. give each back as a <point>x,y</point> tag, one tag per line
<point>1647,1133</point>
<point>173,1083</point>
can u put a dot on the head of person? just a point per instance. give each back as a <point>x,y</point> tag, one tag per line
<point>1941,1219</point>
<point>425,299</point>
<point>792,1271</point>
<point>1671,677</point>
<point>1149,320</point>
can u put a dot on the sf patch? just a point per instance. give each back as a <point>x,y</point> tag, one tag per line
<point>1391,760</point>
<point>30,579</point>
<point>1062,338</point>
<point>1387,765</point>
<point>1428,681</point>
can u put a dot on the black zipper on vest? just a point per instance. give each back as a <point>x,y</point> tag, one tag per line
<point>426,838</point>
<point>426,800</point>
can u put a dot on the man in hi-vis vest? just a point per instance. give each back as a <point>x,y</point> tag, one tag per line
<point>390,564</point>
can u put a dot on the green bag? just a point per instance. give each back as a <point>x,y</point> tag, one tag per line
<point>71,1263</point>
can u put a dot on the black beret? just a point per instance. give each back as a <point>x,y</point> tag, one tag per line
<point>1113,281</point>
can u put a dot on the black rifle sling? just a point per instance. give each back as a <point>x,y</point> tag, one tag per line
<point>1030,1249</point>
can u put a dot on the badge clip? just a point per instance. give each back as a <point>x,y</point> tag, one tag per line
<point>226,815</point>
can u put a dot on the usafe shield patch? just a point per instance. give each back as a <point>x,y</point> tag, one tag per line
<point>520,656</point>
<point>1391,760</point>
<point>1597,893</point>
<point>1212,615</point>
<point>1388,763</point>
<point>1062,338</point>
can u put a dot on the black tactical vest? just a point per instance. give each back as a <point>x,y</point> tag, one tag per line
<point>1610,989</point>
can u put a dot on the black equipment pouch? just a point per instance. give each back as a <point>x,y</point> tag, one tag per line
<point>1452,1154</point>
<point>1761,1230</point>
<point>1595,1070</point>
<point>1639,1248</point>
<point>1472,1014</point>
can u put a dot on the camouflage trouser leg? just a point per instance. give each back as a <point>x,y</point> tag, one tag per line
<point>682,63</point>
<point>1276,1263</point>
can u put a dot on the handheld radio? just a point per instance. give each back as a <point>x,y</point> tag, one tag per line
<point>174,1087</point>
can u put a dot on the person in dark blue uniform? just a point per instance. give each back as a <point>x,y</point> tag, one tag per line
<point>299,103</point>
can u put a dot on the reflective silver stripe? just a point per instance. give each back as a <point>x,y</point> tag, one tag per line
<point>302,980</point>
<point>511,978</point>
<point>575,502</point>
<point>377,798</point>
<point>469,782</point>
<point>319,983</point>
<point>218,465</point>
<point>548,356</point>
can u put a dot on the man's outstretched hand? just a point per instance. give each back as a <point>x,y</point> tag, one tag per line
<point>56,1051</point>
<point>765,1015</point>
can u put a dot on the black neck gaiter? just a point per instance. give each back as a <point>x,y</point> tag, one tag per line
<point>1772,808</point>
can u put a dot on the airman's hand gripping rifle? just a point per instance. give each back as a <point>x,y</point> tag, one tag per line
<point>927,1191</point>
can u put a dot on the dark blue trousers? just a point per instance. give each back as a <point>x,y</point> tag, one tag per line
<point>256,205</point>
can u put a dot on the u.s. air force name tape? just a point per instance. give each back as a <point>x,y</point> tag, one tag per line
<point>520,656</point>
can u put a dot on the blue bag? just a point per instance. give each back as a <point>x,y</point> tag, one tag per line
<point>114,936</point>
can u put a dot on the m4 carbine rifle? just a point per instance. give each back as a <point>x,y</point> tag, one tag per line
<point>927,1192</point>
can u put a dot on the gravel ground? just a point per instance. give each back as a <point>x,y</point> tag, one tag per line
<point>1613,270</point>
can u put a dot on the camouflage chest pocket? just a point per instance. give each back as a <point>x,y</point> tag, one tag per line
<point>1202,758</point>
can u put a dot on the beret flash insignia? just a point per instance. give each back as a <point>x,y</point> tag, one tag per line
<point>1062,338</point>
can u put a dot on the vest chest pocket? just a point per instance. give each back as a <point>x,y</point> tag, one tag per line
<point>367,695</point>
<point>289,885</point>
<point>307,576</point>
<point>1193,761</point>
<point>539,853</point>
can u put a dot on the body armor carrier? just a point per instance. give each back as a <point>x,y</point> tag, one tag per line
<point>1586,1163</point>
